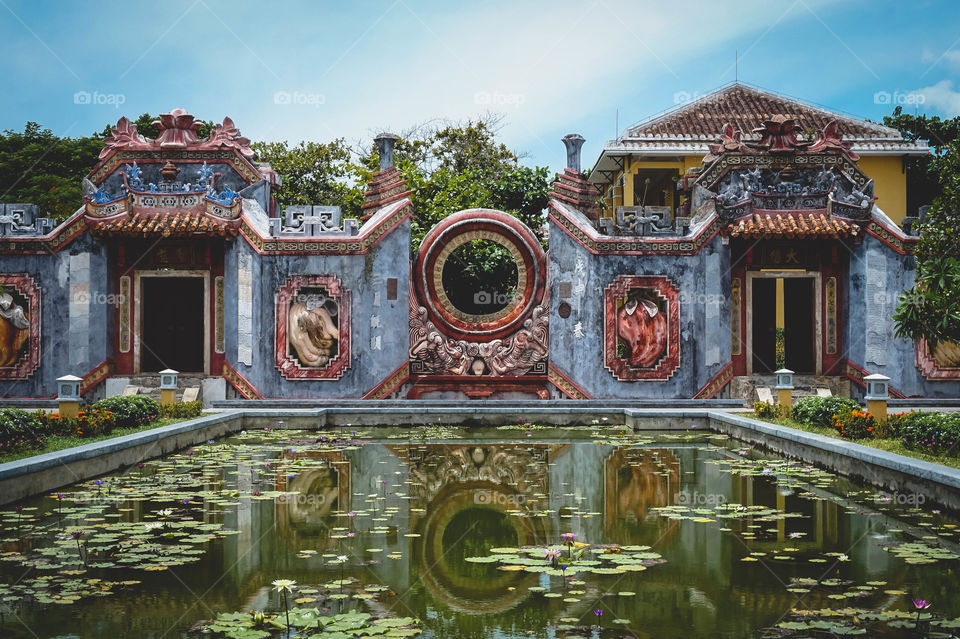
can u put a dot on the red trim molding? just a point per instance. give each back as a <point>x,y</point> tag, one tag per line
<point>286,360</point>
<point>929,367</point>
<point>566,385</point>
<point>22,346</point>
<point>389,386</point>
<point>716,383</point>
<point>669,304</point>
<point>373,231</point>
<point>96,375</point>
<point>240,383</point>
<point>579,228</point>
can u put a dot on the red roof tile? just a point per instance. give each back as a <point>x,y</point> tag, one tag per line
<point>746,108</point>
<point>167,224</point>
<point>782,224</point>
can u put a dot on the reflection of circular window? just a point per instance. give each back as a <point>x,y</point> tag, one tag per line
<point>479,277</point>
<point>480,313</point>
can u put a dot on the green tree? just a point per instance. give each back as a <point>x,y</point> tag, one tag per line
<point>931,309</point>
<point>41,168</point>
<point>315,173</point>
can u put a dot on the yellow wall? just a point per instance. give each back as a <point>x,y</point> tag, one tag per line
<point>890,181</point>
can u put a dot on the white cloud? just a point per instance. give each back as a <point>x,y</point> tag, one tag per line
<point>942,97</point>
<point>949,59</point>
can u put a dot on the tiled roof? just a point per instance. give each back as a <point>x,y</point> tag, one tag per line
<point>167,224</point>
<point>783,224</point>
<point>746,108</point>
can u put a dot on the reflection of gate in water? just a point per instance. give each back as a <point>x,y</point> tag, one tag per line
<point>636,480</point>
<point>454,487</point>
<point>320,492</point>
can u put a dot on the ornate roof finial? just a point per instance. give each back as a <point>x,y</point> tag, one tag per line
<point>779,135</point>
<point>177,129</point>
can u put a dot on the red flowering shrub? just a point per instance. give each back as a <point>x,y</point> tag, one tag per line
<point>92,422</point>
<point>855,424</point>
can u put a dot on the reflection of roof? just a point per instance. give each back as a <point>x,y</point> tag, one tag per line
<point>782,224</point>
<point>168,224</point>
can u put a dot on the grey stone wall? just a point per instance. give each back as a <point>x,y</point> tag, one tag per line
<point>379,335</point>
<point>703,283</point>
<point>877,277</point>
<point>77,313</point>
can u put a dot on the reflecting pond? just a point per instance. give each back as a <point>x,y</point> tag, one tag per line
<point>512,532</point>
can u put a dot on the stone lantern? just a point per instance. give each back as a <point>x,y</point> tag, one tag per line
<point>168,386</point>
<point>785,390</point>
<point>878,391</point>
<point>68,395</point>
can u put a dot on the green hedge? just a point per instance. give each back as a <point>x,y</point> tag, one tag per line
<point>19,430</point>
<point>130,411</point>
<point>819,411</point>
<point>932,433</point>
<point>182,410</point>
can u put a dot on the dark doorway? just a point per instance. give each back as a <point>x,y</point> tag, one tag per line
<point>172,333</point>
<point>798,329</point>
<point>764,310</point>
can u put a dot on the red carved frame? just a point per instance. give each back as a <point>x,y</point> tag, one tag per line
<point>669,363</point>
<point>288,366</point>
<point>929,367</point>
<point>26,287</point>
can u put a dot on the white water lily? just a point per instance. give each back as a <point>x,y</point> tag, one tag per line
<point>342,558</point>
<point>153,525</point>
<point>166,512</point>
<point>283,585</point>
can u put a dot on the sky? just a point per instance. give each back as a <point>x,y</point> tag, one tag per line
<point>322,70</point>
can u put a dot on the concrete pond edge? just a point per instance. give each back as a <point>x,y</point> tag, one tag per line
<point>910,478</point>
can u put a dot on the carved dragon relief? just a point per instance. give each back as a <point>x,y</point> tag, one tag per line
<point>433,352</point>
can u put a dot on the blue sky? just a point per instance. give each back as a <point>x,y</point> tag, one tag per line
<point>319,70</point>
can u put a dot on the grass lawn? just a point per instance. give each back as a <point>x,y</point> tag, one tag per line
<point>60,442</point>
<point>889,445</point>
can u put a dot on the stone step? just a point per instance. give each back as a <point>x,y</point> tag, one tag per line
<point>212,388</point>
<point>744,387</point>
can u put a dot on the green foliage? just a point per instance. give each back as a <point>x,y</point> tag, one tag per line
<point>38,167</point>
<point>765,410</point>
<point>130,411</point>
<point>819,411</point>
<point>19,430</point>
<point>182,409</point>
<point>460,167</point>
<point>932,433</point>
<point>931,309</point>
<point>94,422</point>
<point>315,173</point>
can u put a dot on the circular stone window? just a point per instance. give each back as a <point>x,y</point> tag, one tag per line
<point>479,278</point>
<point>479,274</point>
